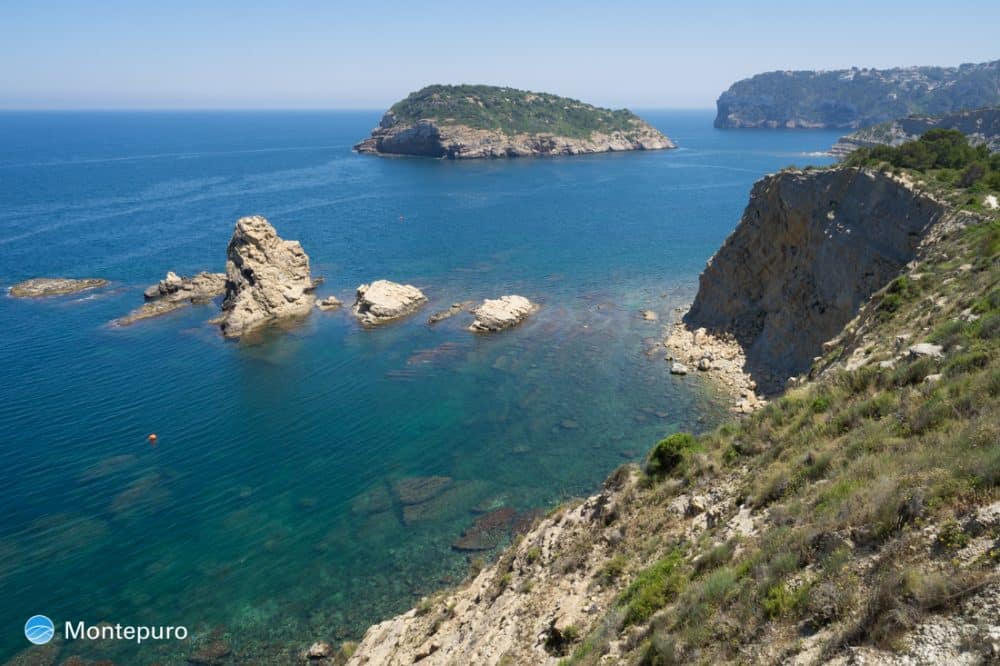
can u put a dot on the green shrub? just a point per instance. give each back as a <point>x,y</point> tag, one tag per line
<point>670,452</point>
<point>653,588</point>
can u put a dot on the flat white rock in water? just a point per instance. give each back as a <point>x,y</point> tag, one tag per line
<point>41,287</point>
<point>383,301</point>
<point>500,313</point>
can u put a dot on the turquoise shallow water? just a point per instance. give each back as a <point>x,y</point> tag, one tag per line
<point>245,519</point>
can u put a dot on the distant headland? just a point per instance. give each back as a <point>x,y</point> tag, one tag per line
<point>854,98</point>
<point>478,121</point>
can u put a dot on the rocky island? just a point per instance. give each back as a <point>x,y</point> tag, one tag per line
<point>853,98</point>
<point>267,278</point>
<point>478,121</point>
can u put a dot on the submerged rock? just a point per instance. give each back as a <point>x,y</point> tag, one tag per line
<point>419,489</point>
<point>41,287</point>
<point>500,313</point>
<point>382,301</point>
<point>267,278</point>
<point>450,312</point>
<point>374,500</point>
<point>487,531</point>
<point>329,303</point>
<point>174,292</point>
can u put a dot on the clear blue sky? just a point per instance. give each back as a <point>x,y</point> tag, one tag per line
<point>308,54</point>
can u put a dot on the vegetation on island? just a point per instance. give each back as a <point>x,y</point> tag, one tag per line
<point>512,111</point>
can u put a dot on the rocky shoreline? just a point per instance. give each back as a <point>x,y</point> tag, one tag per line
<point>719,357</point>
<point>429,138</point>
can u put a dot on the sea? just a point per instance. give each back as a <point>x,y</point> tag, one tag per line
<point>273,510</point>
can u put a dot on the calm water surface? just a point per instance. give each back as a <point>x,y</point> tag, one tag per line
<point>266,514</point>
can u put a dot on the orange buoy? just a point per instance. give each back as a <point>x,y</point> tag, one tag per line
<point>152,439</point>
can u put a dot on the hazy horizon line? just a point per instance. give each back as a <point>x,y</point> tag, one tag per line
<point>196,109</point>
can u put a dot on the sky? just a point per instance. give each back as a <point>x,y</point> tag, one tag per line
<point>113,54</point>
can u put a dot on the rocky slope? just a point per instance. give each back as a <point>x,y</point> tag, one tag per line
<point>267,278</point>
<point>981,126</point>
<point>810,249</point>
<point>856,97</point>
<point>855,519</point>
<point>464,122</point>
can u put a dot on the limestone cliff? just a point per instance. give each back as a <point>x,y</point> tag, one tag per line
<point>810,249</point>
<point>981,126</point>
<point>267,278</point>
<point>856,97</point>
<point>465,122</point>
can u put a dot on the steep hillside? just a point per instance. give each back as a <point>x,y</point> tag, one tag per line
<point>856,97</point>
<point>854,519</point>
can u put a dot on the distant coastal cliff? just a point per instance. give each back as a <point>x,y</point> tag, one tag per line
<point>981,126</point>
<point>474,121</point>
<point>853,98</point>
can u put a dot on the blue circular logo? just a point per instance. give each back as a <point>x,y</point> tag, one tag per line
<point>39,629</point>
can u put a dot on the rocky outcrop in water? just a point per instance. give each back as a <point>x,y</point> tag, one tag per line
<point>981,126</point>
<point>500,313</point>
<point>852,98</point>
<point>810,249</point>
<point>41,287</point>
<point>174,292</point>
<point>267,278</point>
<point>383,301</point>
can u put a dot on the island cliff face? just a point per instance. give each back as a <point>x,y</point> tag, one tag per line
<point>467,122</point>
<point>810,249</point>
<point>981,126</point>
<point>853,98</point>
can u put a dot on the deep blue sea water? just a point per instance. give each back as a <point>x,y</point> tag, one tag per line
<point>240,521</point>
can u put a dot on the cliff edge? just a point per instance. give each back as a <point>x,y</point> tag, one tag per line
<point>810,249</point>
